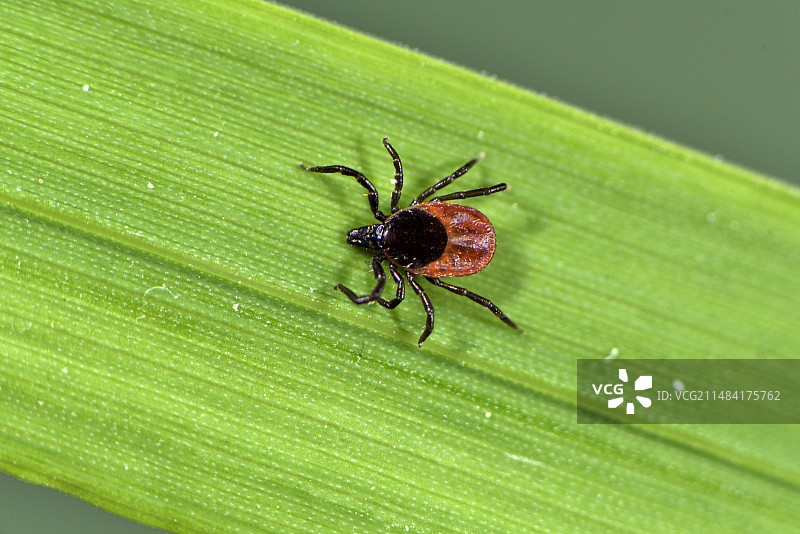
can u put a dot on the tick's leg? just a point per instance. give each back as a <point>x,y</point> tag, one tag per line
<point>398,173</point>
<point>482,192</point>
<point>477,298</point>
<point>447,181</point>
<point>372,194</point>
<point>401,290</point>
<point>380,276</point>
<point>426,303</point>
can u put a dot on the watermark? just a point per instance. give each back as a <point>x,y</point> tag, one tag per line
<point>689,391</point>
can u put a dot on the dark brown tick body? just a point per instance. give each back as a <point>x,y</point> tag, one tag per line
<point>431,239</point>
<point>439,239</point>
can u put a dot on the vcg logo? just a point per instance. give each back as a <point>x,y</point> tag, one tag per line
<point>618,391</point>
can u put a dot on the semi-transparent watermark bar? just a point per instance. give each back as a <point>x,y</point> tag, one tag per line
<point>689,391</point>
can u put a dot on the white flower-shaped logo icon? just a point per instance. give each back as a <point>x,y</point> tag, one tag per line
<point>642,383</point>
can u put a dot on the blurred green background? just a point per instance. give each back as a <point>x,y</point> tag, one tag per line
<point>720,77</point>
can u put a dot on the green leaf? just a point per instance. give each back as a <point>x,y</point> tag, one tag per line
<point>173,350</point>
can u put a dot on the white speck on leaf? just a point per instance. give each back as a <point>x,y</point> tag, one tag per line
<point>163,287</point>
<point>524,459</point>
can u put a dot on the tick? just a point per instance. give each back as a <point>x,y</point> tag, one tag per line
<point>431,239</point>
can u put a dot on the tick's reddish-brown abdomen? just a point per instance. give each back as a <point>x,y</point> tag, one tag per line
<point>469,245</point>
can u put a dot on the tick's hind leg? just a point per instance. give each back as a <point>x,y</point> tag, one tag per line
<point>426,303</point>
<point>380,276</point>
<point>447,181</point>
<point>482,192</point>
<point>477,298</point>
